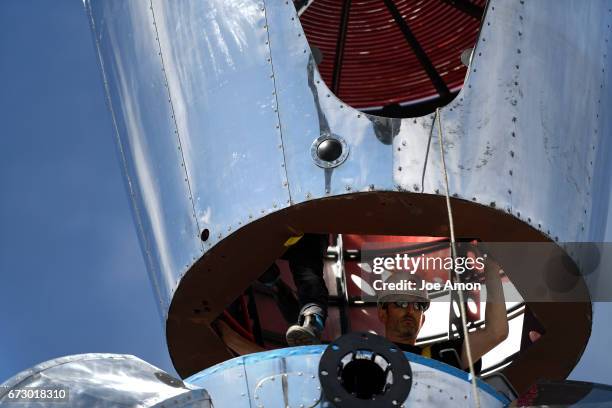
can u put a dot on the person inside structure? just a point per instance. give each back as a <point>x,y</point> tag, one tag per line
<point>403,315</point>
<point>305,255</point>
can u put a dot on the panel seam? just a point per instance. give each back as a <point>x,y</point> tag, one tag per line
<point>280,127</point>
<point>178,136</point>
<point>137,215</point>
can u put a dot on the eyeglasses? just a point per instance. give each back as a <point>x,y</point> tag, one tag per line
<point>418,306</point>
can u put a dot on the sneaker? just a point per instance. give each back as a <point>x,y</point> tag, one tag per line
<point>307,333</point>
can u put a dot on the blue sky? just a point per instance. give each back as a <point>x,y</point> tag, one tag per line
<point>73,278</point>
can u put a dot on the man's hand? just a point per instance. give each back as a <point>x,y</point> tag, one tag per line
<point>495,329</point>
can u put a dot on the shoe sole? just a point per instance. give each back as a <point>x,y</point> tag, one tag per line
<point>299,336</point>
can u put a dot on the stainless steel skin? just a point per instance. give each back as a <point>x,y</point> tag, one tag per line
<point>527,129</point>
<point>290,378</point>
<point>309,109</point>
<point>216,105</point>
<point>221,80</point>
<point>287,378</point>
<point>148,142</point>
<point>103,381</point>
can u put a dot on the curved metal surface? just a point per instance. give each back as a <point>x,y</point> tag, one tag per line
<point>148,141</point>
<point>289,377</point>
<point>217,103</point>
<point>220,74</point>
<point>523,133</point>
<point>103,380</point>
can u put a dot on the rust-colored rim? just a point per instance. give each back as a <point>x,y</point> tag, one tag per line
<point>224,272</point>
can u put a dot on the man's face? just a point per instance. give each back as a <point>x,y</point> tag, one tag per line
<point>401,323</point>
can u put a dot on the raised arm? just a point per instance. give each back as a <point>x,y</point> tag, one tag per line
<point>495,329</point>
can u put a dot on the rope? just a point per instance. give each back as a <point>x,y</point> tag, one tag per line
<point>454,255</point>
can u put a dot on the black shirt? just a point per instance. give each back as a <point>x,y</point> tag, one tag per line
<point>448,352</point>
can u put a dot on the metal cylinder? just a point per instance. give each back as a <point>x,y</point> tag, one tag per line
<point>101,381</point>
<point>291,377</point>
<point>216,106</point>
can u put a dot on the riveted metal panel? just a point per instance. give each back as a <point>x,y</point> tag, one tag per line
<point>510,133</point>
<point>216,106</point>
<point>525,133</point>
<point>147,139</point>
<point>226,383</point>
<point>308,110</point>
<point>290,377</point>
<point>221,80</point>
<point>556,122</point>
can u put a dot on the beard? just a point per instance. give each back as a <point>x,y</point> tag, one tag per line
<point>407,326</point>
